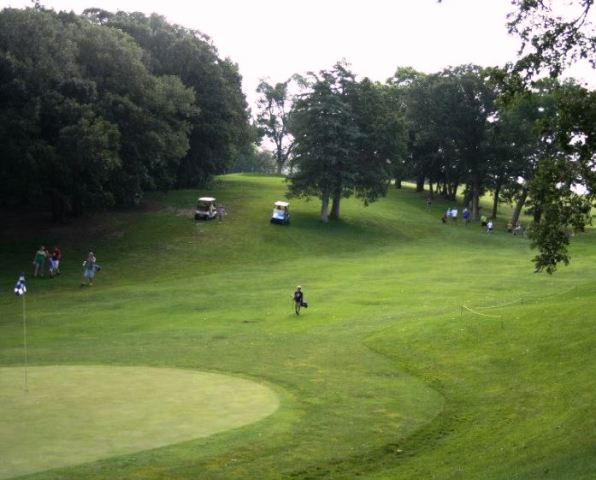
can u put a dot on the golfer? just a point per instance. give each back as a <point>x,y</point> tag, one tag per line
<point>89,268</point>
<point>298,299</point>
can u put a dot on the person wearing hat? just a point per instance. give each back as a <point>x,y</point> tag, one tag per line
<point>89,268</point>
<point>298,299</point>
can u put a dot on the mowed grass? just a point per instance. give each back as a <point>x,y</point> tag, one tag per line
<point>384,376</point>
<point>70,415</point>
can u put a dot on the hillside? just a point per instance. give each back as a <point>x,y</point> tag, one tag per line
<point>385,375</point>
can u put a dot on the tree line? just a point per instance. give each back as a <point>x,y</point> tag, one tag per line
<point>100,107</point>
<point>530,142</point>
<point>458,130</point>
<point>96,109</point>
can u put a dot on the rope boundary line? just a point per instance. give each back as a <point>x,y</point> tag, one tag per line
<point>480,313</point>
<point>556,294</point>
<point>518,300</point>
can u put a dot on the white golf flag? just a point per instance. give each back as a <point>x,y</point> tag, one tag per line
<point>20,288</point>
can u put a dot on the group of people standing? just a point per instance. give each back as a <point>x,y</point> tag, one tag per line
<point>487,223</point>
<point>452,213</point>
<point>43,258</point>
<point>52,260</point>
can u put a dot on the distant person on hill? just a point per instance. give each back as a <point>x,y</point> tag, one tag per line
<point>454,214</point>
<point>448,214</point>
<point>299,300</point>
<point>39,261</point>
<point>221,212</point>
<point>89,268</point>
<point>429,201</point>
<point>55,261</point>
<point>489,227</point>
<point>483,221</point>
<point>466,215</point>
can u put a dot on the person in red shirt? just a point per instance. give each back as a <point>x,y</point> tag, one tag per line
<point>55,261</point>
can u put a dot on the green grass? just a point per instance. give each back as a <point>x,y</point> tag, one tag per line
<point>384,376</point>
<point>61,416</point>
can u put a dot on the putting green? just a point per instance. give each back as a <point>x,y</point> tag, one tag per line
<point>74,414</point>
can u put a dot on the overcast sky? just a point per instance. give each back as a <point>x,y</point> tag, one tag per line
<point>276,38</point>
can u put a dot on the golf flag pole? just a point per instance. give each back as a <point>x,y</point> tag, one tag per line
<point>25,344</point>
<point>20,290</point>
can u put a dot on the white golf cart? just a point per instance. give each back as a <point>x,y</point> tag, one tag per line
<point>206,208</point>
<point>281,214</point>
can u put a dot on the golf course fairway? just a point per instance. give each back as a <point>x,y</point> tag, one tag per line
<point>75,414</point>
<point>427,351</point>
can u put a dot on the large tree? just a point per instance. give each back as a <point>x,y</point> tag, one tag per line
<point>553,39</point>
<point>564,186</point>
<point>83,122</point>
<point>399,90</point>
<point>325,131</point>
<point>220,130</point>
<point>450,114</point>
<point>346,138</point>
<point>554,35</point>
<point>273,118</point>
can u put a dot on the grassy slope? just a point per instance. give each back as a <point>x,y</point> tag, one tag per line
<point>381,377</point>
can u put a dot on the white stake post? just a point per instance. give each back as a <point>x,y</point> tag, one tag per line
<point>25,343</point>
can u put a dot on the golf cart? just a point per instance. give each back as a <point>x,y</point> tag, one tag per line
<point>280,214</point>
<point>206,208</point>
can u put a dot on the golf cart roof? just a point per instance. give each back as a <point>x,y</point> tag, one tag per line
<point>206,199</point>
<point>281,204</point>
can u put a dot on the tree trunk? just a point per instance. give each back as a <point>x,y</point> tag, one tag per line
<point>325,208</point>
<point>476,198</point>
<point>335,206</point>
<point>453,192</point>
<point>496,199</point>
<point>537,214</point>
<point>398,182</point>
<point>280,160</point>
<point>468,198</point>
<point>519,205</point>
<point>420,184</point>
<point>431,194</point>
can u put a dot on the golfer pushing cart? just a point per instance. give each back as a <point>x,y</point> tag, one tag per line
<point>299,300</point>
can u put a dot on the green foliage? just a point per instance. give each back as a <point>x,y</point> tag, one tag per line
<point>346,137</point>
<point>552,40</point>
<point>219,130</point>
<point>273,119</point>
<point>559,208</point>
<point>254,161</point>
<point>449,115</point>
<point>97,109</point>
